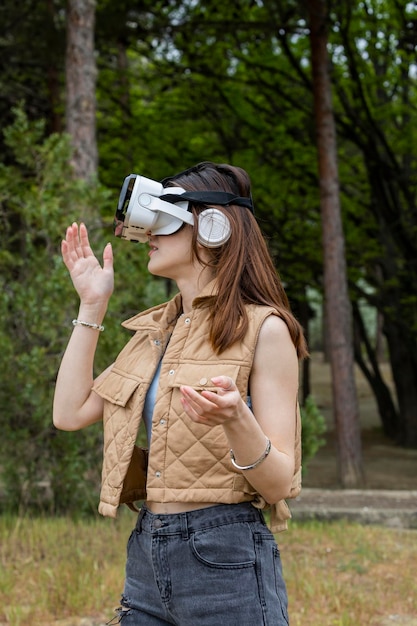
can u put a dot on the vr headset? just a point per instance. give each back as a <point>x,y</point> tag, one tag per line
<point>146,206</point>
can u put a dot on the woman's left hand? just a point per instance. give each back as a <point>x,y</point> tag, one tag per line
<point>213,408</point>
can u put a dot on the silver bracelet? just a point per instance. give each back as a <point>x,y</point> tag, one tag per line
<point>261,458</point>
<point>98,327</point>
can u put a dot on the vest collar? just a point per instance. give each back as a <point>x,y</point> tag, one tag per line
<point>163,316</point>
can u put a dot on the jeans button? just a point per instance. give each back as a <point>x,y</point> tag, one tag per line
<point>157,523</point>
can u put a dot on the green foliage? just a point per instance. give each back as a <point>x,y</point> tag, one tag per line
<point>313,429</point>
<point>41,467</point>
<point>179,83</point>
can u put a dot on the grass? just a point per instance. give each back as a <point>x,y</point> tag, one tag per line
<point>341,574</point>
<point>337,574</point>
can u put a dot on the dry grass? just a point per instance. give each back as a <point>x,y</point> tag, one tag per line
<point>337,574</point>
<point>341,574</point>
<point>54,568</point>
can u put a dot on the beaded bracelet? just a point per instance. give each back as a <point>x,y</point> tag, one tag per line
<point>261,458</point>
<point>98,327</point>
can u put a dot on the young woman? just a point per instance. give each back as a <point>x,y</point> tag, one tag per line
<point>213,375</point>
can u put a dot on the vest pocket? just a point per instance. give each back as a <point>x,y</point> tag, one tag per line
<point>199,375</point>
<point>117,388</point>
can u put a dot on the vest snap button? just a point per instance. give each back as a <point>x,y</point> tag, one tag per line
<point>158,474</point>
<point>171,372</point>
<point>203,381</point>
<point>187,320</point>
<point>162,421</point>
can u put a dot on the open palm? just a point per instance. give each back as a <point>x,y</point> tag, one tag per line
<point>94,283</point>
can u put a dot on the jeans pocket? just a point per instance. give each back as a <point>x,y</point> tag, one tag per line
<point>225,547</point>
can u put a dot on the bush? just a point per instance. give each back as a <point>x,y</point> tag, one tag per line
<point>313,427</point>
<point>41,467</point>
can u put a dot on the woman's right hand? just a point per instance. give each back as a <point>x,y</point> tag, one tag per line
<point>93,283</point>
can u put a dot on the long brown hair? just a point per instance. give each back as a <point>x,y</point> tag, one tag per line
<point>244,271</point>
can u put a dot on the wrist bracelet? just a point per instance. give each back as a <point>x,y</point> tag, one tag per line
<point>98,327</point>
<point>261,458</point>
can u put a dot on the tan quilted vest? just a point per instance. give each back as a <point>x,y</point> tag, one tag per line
<point>188,462</point>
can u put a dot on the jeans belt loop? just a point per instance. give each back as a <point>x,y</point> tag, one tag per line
<point>184,527</point>
<point>139,520</point>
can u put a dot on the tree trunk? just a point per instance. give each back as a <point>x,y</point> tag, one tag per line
<point>370,369</point>
<point>337,304</point>
<point>403,365</point>
<point>81,76</point>
<point>55,121</point>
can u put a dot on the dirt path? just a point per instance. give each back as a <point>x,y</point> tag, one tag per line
<point>386,466</point>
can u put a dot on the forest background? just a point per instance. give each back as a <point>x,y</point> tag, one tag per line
<point>176,83</point>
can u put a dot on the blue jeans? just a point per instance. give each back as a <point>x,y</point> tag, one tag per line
<point>209,567</point>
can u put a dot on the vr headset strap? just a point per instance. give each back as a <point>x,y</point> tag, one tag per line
<point>209,197</point>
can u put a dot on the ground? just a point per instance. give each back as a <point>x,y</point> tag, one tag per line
<point>386,465</point>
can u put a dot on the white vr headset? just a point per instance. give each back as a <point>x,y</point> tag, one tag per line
<point>146,206</point>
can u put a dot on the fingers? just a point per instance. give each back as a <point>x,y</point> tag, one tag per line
<point>207,399</point>
<point>211,407</point>
<point>84,243</point>
<point>224,383</point>
<point>195,404</point>
<point>76,245</point>
<point>108,257</point>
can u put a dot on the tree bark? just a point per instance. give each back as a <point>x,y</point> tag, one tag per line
<point>337,304</point>
<point>404,368</point>
<point>370,368</point>
<point>81,74</point>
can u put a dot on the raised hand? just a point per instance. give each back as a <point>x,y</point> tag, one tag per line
<point>75,404</point>
<point>93,283</point>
